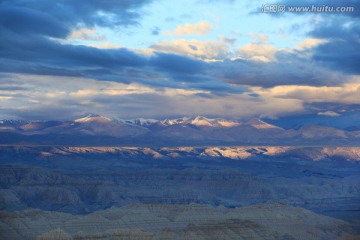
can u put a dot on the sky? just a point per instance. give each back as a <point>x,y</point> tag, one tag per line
<point>63,59</point>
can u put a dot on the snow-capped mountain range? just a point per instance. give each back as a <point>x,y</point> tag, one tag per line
<point>196,121</point>
<point>95,129</point>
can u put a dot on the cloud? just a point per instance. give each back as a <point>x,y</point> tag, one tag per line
<point>27,29</point>
<point>228,40</point>
<point>329,114</point>
<point>30,24</point>
<point>90,37</point>
<point>256,63</point>
<point>12,88</point>
<point>260,49</point>
<point>106,45</point>
<point>74,97</point>
<point>38,53</point>
<point>72,13</point>
<point>340,33</point>
<point>309,43</point>
<point>194,48</point>
<point>66,98</point>
<point>163,69</point>
<point>198,29</point>
<point>341,50</point>
<point>289,69</point>
<point>176,63</point>
<point>43,68</point>
<point>28,21</point>
<point>257,52</point>
<point>86,34</point>
<point>155,31</point>
<point>333,101</point>
<point>345,94</point>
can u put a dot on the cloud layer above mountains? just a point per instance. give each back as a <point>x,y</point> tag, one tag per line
<point>73,57</point>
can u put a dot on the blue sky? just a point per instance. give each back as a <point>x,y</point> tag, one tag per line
<point>63,59</point>
<point>229,19</point>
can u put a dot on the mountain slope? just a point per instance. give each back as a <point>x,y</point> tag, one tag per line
<point>184,131</point>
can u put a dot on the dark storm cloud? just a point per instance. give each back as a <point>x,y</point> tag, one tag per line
<point>340,29</point>
<point>30,33</point>
<point>120,65</point>
<point>28,30</point>
<point>289,69</point>
<point>41,56</point>
<point>87,12</point>
<point>341,52</point>
<point>28,21</point>
<point>192,72</point>
<point>12,88</point>
<point>45,51</point>
<point>177,64</point>
<point>26,25</point>
<point>346,60</point>
<point>218,88</point>
<point>42,113</point>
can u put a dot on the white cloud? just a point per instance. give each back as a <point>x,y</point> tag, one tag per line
<point>259,38</point>
<point>329,114</point>
<point>4,98</point>
<point>303,49</point>
<point>345,94</point>
<point>309,43</point>
<point>77,96</point>
<point>194,48</point>
<point>258,49</point>
<point>86,34</point>
<point>231,106</point>
<point>105,45</point>
<point>198,29</point>
<point>92,37</point>
<point>257,52</point>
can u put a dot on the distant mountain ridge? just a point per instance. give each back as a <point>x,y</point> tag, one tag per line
<point>95,129</point>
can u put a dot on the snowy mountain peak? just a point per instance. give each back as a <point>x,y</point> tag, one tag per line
<point>140,121</point>
<point>213,122</point>
<point>259,124</point>
<point>183,120</point>
<point>201,121</point>
<point>167,122</point>
<point>92,118</point>
<point>226,123</point>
